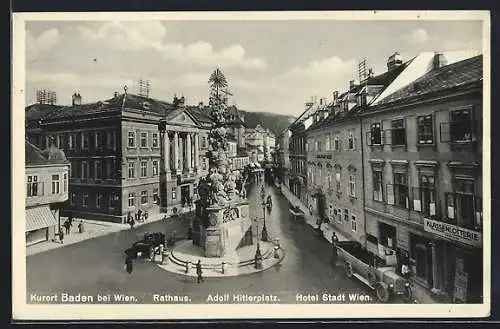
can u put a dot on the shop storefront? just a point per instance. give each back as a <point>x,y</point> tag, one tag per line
<point>40,225</point>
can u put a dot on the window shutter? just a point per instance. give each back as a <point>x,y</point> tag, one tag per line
<point>390,194</point>
<point>444,132</point>
<point>450,205</point>
<point>369,138</point>
<point>417,203</point>
<point>387,137</point>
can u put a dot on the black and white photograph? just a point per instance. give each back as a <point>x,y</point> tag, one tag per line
<point>251,165</point>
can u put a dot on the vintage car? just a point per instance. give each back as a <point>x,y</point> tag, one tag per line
<point>361,264</point>
<point>146,247</point>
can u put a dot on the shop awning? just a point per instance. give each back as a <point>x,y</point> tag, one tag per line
<point>39,217</point>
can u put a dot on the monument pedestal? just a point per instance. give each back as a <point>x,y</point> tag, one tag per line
<point>227,229</point>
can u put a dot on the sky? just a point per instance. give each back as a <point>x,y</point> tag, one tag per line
<point>272,66</point>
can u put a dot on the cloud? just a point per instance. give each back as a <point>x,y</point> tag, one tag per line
<point>45,41</point>
<point>151,35</point>
<point>418,36</point>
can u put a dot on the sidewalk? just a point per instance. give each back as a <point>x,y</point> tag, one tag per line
<point>327,228</point>
<point>92,229</point>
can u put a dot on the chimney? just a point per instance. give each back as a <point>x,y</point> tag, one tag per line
<point>321,101</point>
<point>439,60</point>
<point>335,96</point>
<point>200,104</point>
<point>115,95</point>
<point>76,99</point>
<point>394,61</point>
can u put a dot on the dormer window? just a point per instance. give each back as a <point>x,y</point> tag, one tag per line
<point>146,105</point>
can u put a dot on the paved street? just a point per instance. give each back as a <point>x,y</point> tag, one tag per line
<point>95,266</point>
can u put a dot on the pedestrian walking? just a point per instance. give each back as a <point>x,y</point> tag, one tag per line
<point>61,235</point>
<point>139,215</point>
<point>67,226</point>
<point>129,264</point>
<point>335,239</point>
<point>199,272</point>
<point>80,227</point>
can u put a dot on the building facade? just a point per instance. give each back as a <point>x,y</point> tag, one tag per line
<point>46,179</point>
<point>114,148</point>
<point>283,159</point>
<point>423,184</point>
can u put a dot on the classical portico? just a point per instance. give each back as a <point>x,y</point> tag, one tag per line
<point>181,159</point>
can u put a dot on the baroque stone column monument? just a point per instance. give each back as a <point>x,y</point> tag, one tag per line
<point>222,223</point>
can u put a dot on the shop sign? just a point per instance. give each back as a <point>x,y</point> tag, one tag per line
<point>453,232</point>
<point>324,156</point>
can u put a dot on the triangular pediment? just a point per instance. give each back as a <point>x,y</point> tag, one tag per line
<point>182,118</point>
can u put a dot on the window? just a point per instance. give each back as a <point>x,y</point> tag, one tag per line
<point>327,143</point>
<point>204,142</point>
<point>131,170</point>
<point>144,139</point>
<point>111,139</point>
<point>427,202</point>
<point>65,183</point>
<point>85,200</point>
<point>131,139</point>
<point>97,170</point>
<point>109,164</point>
<point>155,140</point>
<point>375,134</point>
<point>461,125</point>
<point>98,200</point>
<point>58,141</point>
<point>155,167</point>
<point>398,132</point>
<point>144,197</point>
<point>55,184</point>
<point>144,168</point>
<point>204,163</point>
<point>350,141</point>
<point>339,215</point>
<point>464,207</point>
<point>346,215</point>
<point>131,199</point>
<point>85,169</point>
<point>425,131</point>
<point>354,223</point>
<point>174,193</point>
<point>98,139</point>
<point>378,186</point>
<point>329,179</point>
<point>72,169</point>
<point>32,186</point>
<point>331,212</point>
<point>312,176</point>
<point>401,190</point>
<point>155,196</point>
<point>72,141</point>
<point>72,199</point>
<point>85,141</point>
<point>320,175</point>
<point>113,198</point>
<point>336,143</point>
<point>337,181</point>
<point>352,186</point>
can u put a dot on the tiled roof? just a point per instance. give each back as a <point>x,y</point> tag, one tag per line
<point>201,114</point>
<point>40,111</point>
<point>446,77</point>
<point>374,85</point>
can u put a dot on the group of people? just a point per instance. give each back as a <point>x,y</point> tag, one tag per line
<point>68,223</point>
<point>139,216</point>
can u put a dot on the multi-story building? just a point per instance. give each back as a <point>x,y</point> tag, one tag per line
<point>114,147</point>
<point>335,176</point>
<point>283,159</point>
<point>298,154</point>
<point>46,174</point>
<point>260,143</point>
<point>423,181</point>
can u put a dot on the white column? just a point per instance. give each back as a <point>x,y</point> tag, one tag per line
<point>166,145</point>
<point>176,150</point>
<point>197,151</point>
<point>188,151</point>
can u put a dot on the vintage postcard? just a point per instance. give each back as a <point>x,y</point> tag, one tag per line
<point>251,165</point>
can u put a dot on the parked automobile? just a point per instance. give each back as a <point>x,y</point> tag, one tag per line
<point>361,264</point>
<point>146,247</point>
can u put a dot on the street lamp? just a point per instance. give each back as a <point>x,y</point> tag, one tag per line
<point>258,253</point>
<point>264,228</point>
